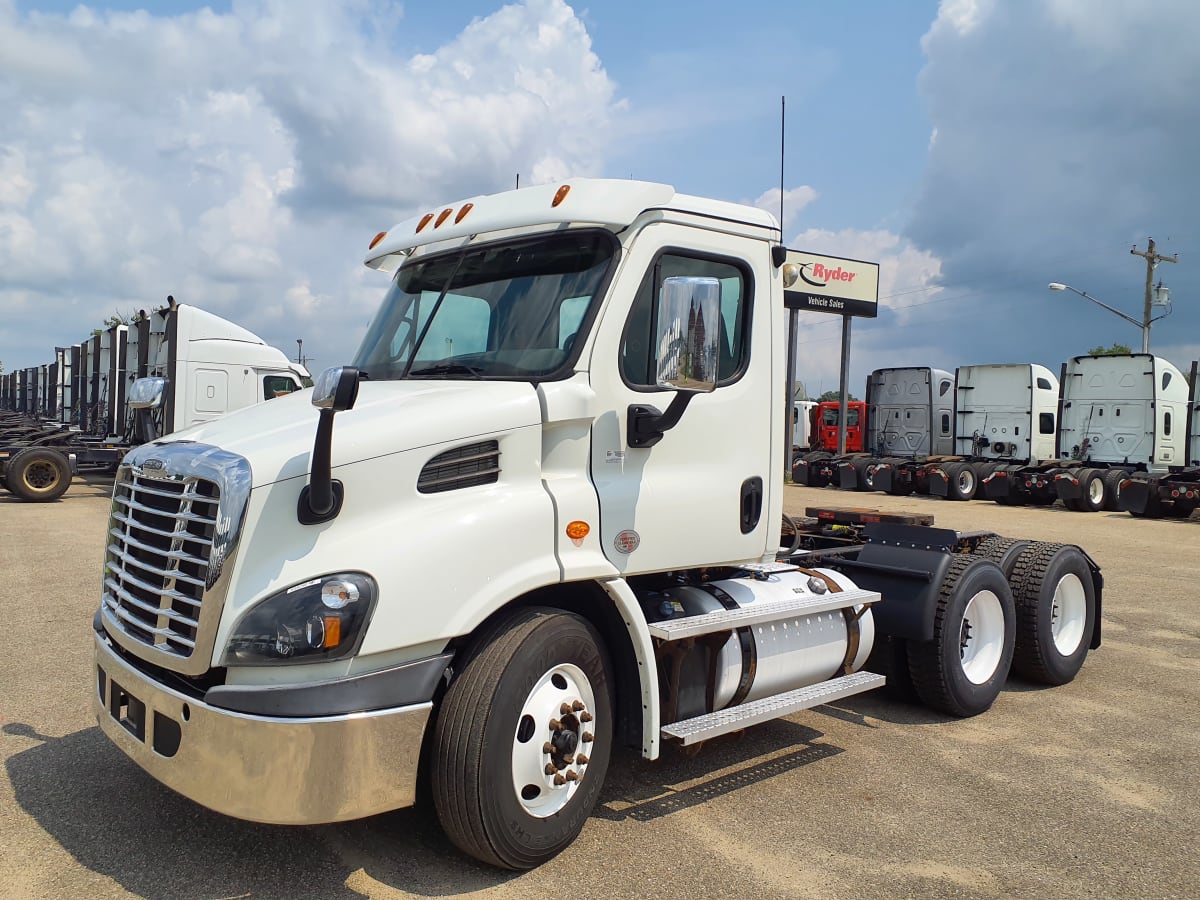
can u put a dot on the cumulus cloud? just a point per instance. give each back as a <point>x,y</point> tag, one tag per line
<point>241,161</point>
<point>794,201</point>
<point>1065,133</point>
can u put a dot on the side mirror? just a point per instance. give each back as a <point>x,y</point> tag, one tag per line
<point>687,357</point>
<point>147,393</point>
<point>689,334</point>
<point>334,391</point>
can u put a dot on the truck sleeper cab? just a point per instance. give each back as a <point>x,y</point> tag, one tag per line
<point>478,536</point>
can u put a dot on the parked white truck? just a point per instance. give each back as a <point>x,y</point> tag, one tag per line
<point>1119,415</point>
<point>538,517</point>
<point>171,368</point>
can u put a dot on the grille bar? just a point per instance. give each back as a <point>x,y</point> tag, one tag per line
<point>165,633</point>
<point>178,535</point>
<point>146,607</point>
<point>187,516</point>
<point>180,555</point>
<point>164,574</point>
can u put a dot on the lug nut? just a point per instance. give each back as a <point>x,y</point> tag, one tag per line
<point>555,725</point>
<point>569,758</point>
<point>585,717</point>
<point>588,737</point>
<point>547,747</point>
<point>582,760</point>
<point>577,706</point>
<point>559,781</point>
<point>571,776</point>
<point>550,769</point>
<point>564,709</point>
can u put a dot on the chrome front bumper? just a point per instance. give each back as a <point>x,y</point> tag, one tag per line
<point>287,771</point>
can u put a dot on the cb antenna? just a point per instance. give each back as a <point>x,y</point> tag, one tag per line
<point>782,129</point>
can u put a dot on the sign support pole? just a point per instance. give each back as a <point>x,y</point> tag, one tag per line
<point>788,403</point>
<point>845,377</point>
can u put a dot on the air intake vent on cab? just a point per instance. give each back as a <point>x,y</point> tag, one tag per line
<point>462,467</point>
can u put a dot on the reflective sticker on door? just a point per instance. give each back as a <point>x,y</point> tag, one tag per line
<point>627,541</point>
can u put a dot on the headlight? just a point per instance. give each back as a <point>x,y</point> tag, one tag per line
<point>319,620</point>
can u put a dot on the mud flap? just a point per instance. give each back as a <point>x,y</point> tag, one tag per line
<point>884,477</point>
<point>1067,486</point>
<point>939,482</point>
<point>847,477</point>
<point>1134,495</point>
<point>996,486</point>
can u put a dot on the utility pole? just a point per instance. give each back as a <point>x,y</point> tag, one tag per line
<point>1152,260</point>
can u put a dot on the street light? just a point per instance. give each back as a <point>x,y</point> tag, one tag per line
<point>1144,326</point>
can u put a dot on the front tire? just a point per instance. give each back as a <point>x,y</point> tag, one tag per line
<point>1056,612</point>
<point>962,670</point>
<point>523,738</point>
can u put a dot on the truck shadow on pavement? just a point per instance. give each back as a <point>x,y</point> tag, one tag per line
<point>644,791</point>
<point>117,821</point>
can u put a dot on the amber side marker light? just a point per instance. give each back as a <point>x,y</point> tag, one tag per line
<point>375,240</point>
<point>577,531</point>
<point>425,220</point>
<point>462,213</point>
<point>333,632</point>
<point>560,195</point>
<point>442,217</point>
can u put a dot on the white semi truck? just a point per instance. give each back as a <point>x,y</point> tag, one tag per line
<point>1119,415</point>
<point>171,368</point>
<point>538,517</point>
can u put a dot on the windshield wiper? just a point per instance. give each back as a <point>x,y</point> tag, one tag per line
<point>446,368</point>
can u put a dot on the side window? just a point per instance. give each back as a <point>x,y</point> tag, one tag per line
<point>278,385</point>
<point>1166,379</point>
<point>1167,423</point>
<point>945,423</point>
<point>851,418</point>
<point>1045,423</point>
<point>637,351</point>
<point>945,386</point>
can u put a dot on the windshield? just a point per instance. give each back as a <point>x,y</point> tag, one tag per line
<point>505,310</point>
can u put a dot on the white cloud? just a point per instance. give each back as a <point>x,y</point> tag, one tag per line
<point>794,200</point>
<point>242,160</point>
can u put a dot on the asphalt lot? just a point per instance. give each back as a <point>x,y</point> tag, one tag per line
<point>1087,790</point>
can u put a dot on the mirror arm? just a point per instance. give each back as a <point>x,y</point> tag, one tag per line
<point>645,425</point>
<point>321,499</point>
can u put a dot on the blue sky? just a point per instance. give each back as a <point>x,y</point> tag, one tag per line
<point>239,155</point>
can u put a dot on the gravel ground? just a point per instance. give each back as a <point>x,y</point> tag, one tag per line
<point>1087,790</point>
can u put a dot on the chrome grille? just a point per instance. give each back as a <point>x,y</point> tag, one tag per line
<point>160,540</point>
<point>466,466</point>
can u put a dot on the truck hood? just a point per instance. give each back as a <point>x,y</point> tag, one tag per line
<point>388,417</point>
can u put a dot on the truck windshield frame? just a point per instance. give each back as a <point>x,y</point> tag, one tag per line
<point>515,310</point>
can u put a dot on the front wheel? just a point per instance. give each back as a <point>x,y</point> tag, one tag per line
<point>962,670</point>
<point>523,738</point>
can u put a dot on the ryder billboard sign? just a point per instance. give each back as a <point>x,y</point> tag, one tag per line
<point>849,287</point>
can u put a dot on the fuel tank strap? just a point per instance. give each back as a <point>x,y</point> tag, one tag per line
<point>853,629</point>
<point>749,650</point>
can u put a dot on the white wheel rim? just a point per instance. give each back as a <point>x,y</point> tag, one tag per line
<point>1096,491</point>
<point>1068,614</point>
<point>551,743</point>
<point>981,637</point>
<point>966,481</point>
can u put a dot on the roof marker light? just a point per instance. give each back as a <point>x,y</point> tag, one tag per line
<point>462,213</point>
<point>425,220</point>
<point>561,195</point>
<point>375,240</point>
<point>442,216</point>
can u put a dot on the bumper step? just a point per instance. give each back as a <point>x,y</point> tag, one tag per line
<point>728,619</point>
<point>702,728</point>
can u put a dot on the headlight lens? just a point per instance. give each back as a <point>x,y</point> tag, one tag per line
<point>316,621</point>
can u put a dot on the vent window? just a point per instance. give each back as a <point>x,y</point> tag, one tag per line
<point>468,466</point>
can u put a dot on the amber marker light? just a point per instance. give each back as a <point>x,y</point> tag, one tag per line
<point>442,217</point>
<point>577,530</point>
<point>333,631</point>
<point>560,195</point>
<point>375,240</point>
<point>462,213</point>
<point>425,220</point>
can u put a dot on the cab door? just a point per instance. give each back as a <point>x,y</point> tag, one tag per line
<point>700,496</point>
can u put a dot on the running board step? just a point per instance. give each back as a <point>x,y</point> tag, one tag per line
<point>723,721</point>
<point>728,619</point>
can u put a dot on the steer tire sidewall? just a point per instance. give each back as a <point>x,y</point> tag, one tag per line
<point>473,789</point>
<point>936,665</point>
<point>1035,579</point>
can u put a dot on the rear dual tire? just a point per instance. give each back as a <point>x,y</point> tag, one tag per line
<point>1056,612</point>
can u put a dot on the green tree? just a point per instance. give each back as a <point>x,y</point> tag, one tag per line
<point>1114,350</point>
<point>117,318</point>
<point>834,396</point>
